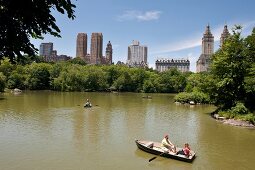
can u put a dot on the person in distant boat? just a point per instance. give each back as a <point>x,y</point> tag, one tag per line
<point>168,144</point>
<point>87,104</point>
<point>185,151</point>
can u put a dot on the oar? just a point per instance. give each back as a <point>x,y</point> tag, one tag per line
<point>156,157</point>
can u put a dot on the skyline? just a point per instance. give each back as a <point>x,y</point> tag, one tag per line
<point>169,29</point>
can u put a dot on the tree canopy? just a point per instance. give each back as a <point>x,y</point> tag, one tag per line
<point>26,19</point>
<point>233,71</point>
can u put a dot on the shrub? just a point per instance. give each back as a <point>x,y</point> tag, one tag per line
<point>197,97</point>
<point>238,112</point>
<point>226,114</point>
<point>239,109</point>
<point>183,97</point>
<point>2,82</point>
<point>248,117</point>
<point>200,97</point>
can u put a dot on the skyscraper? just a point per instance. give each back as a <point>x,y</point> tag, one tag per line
<point>96,48</point>
<point>108,53</point>
<point>46,49</point>
<point>207,50</point>
<point>81,45</point>
<point>137,55</point>
<point>224,35</point>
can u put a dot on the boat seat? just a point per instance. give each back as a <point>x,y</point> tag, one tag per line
<point>150,145</point>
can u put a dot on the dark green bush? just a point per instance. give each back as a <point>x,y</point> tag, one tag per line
<point>2,82</point>
<point>248,117</point>
<point>38,76</point>
<point>16,80</point>
<point>197,97</point>
<point>239,109</point>
<point>183,97</point>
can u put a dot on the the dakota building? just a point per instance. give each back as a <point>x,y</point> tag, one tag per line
<point>165,64</point>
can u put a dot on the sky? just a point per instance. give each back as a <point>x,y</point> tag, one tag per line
<point>170,29</point>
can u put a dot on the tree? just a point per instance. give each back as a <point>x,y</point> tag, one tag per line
<point>151,84</point>
<point>38,76</point>
<point>249,78</point>
<point>112,73</point>
<point>172,81</point>
<point>22,20</point>
<point>124,82</point>
<point>17,78</point>
<point>77,60</point>
<point>30,59</point>
<point>96,79</point>
<point>6,67</point>
<point>250,45</point>
<point>201,82</point>
<point>229,67</point>
<point>138,76</point>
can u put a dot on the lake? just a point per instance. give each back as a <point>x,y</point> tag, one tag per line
<point>42,130</point>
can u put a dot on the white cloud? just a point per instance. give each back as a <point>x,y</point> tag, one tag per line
<point>152,65</point>
<point>178,46</point>
<point>149,15</point>
<point>196,39</point>
<point>193,59</point>
<point>139,15</point>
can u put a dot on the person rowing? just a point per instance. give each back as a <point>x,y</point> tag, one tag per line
<point>87,104</point>
<point>168,144</point>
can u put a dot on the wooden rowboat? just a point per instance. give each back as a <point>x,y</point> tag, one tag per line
<point>157,149</point>
<point>147,97</point>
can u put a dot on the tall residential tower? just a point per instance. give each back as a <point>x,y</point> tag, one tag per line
<point>46,49</point>
<point>137,55</point>
<point>96,48</point>
<point>224,35</point>
<point>108,53</point>
<point>207,50</point>
<point>81,45</point>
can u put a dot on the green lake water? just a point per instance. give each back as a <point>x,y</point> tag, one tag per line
<point>44,130</point>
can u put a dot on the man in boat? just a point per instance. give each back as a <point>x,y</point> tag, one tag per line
<point>168,144</point>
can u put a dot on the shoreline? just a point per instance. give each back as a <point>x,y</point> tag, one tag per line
<point>233,122</point>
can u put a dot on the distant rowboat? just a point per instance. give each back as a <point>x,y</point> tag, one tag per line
<point>87,105</point>
<point>147,97</point>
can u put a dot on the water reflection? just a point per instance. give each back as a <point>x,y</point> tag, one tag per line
<point>78,128</point>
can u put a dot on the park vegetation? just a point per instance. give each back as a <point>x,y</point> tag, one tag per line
<point>75,75</point>
<point>232,70</point>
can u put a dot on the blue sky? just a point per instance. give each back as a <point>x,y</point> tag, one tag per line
<point>170,28</point>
